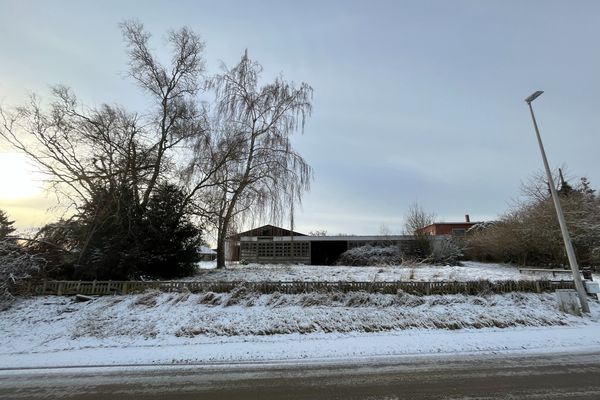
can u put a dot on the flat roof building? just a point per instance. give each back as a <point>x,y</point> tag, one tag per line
<point>273,245</point>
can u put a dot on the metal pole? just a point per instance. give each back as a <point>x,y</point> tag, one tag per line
<point>561,221</point>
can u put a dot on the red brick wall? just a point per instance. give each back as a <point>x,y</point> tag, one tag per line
<point>444,229</point>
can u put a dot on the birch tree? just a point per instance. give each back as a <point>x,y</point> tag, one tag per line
<point>263,172</point>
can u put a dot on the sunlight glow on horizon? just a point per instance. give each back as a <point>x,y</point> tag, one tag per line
<point>19,179</point>
<point>22,194</point>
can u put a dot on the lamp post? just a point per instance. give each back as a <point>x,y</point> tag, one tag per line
<point>561,218</point>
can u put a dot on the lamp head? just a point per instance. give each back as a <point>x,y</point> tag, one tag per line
<point>534,96</point>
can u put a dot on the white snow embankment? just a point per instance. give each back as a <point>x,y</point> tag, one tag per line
<point>163,328</point>
<point>318,347</point>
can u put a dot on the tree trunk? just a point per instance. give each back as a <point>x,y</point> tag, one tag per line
<point>221,248</point>
<point>224,228</point>
<point>223,223</point>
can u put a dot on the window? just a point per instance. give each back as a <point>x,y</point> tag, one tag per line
<point>458,231</point>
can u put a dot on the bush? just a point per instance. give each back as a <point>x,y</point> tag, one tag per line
<point>16,265</point>
<point>529,234</point>
<point>371,255</point>
<point>447,250</point>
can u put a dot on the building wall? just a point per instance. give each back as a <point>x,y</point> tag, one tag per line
<point>232,250</point>
<point>271,244</point>
<point>315,250</point>
<point>456,229</point>
<point>276,252</point>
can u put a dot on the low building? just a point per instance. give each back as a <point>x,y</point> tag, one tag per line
<point>206,253</point>
<point>448,228</point>
<point>271,244</point>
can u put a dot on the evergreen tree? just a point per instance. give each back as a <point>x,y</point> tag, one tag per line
<point>6,226</point>
<point>171,238</point>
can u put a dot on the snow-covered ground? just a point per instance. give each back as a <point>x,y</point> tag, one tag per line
<point>241,326</point>
<point>182,328</point>
<point>468,271</point>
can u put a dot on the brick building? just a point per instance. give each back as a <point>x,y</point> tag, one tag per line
<point>447,228</point>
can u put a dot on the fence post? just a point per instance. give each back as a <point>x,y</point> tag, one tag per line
<point>124,288</point>
<point>60,288</point>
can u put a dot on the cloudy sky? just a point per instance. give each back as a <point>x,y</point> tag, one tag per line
<point>413,100</point>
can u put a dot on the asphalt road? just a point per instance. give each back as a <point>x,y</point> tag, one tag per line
<point>557,376</point>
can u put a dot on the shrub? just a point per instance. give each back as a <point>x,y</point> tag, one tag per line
<point>447,250</point>
<point>529,234</point>
<point>16,265</point>
<point>371,255</point>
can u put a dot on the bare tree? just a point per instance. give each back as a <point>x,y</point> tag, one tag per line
<point>233,160</point>
<point>536,188</point>
<point>529,233</point>
<point>107,162</point>
<point>416,218</point>
<point>173,90</point>
<point>82,151</point>
<point>384,230</point>
<point>82,148</point>
<point>96,160</point>
<point>263,172</point>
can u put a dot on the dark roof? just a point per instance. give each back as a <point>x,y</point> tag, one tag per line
<point>266,230</point>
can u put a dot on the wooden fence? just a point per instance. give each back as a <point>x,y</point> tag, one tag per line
<point>421,288</point>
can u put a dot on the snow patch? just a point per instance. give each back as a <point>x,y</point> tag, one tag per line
<point>467,271</point>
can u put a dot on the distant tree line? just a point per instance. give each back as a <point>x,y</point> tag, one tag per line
<point>142,189</point>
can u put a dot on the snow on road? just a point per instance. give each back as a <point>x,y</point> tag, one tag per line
<point>319,347</point>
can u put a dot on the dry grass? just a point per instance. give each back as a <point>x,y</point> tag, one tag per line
<point>147,299</point>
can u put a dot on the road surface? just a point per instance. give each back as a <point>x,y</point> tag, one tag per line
<point>553,376</point>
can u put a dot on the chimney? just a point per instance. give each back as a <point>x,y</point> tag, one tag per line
<point>467,218</point>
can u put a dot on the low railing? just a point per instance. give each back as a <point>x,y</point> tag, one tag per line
<point>62,288</point>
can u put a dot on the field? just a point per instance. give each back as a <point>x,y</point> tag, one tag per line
<point>468,271</point>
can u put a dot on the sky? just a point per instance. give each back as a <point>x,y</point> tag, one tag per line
<point>414,101</point>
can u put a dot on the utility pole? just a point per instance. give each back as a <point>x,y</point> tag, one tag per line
<point>559,213</point>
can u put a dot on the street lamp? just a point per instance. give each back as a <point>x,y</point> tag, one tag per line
<point>561,218</point>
